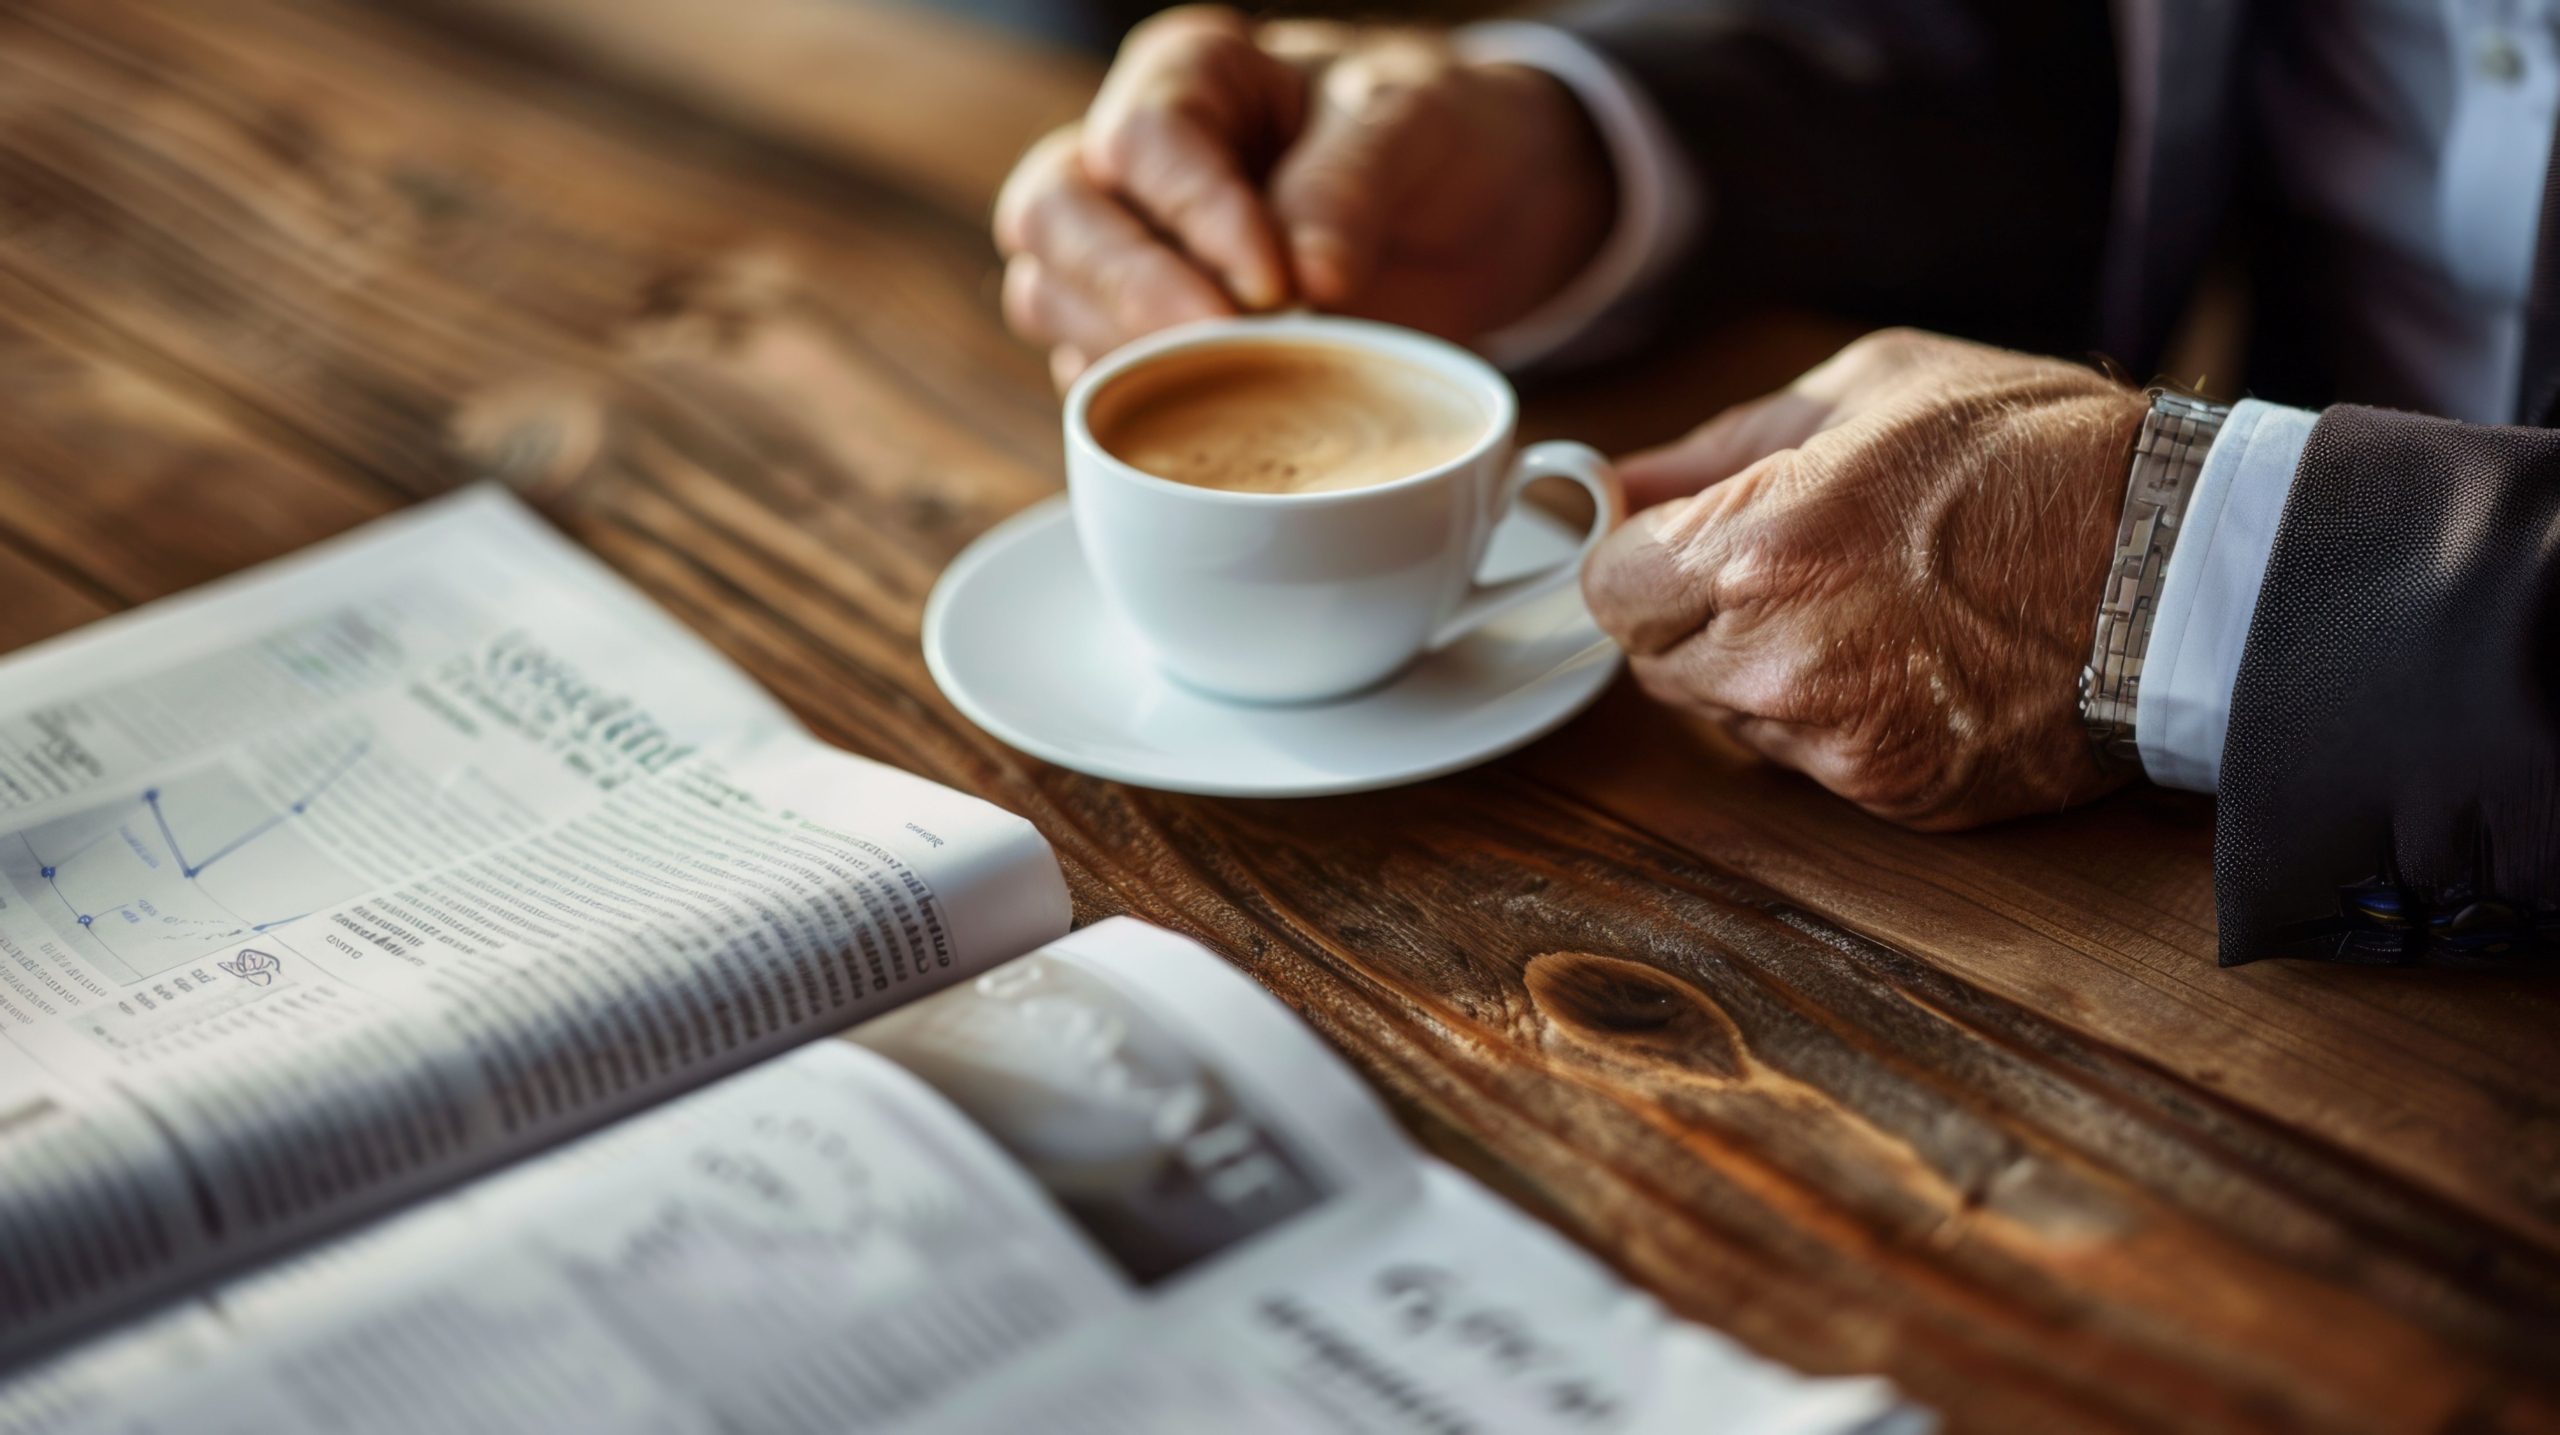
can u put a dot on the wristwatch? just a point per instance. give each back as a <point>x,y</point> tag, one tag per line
<point>2167,456</point>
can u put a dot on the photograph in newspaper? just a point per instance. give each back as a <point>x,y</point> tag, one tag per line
<point>1136,1135</point>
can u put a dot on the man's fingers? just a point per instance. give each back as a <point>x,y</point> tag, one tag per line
<point>1189,182</point>
<point>1043,168</point>
<point>1641,589</point>
<point>1722,447</point>
<point>1189,103</point>
<point>1091,243</point>
<point>1793,745</point>
<point>1670,569</point>
<point>1334,190</point>
<point>1306,45</point>
<point>1046,311</point>
<point>1751,663</point>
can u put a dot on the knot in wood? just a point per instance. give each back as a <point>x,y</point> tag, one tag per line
<point>1626,1004</point>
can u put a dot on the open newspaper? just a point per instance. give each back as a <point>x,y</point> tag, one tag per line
<point>414,959</point>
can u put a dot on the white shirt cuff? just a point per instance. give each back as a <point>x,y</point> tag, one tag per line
<point>1659,202</point>
<point>2183,710</point>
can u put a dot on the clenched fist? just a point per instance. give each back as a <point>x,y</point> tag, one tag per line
<point>1228,166</point>
<point>1886,576</point>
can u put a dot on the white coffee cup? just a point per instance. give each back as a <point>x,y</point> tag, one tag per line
<point>1298,597</point>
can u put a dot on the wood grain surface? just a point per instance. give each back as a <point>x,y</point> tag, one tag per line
<point>1977,1112</point>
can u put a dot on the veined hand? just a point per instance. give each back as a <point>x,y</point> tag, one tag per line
<point>1886,575</point>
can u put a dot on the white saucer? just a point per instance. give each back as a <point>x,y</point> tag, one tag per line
<point>1021,641</point>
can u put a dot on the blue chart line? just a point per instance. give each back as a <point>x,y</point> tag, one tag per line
<point>46,871</point>
<point>300,805</point>
<point>189,870</point>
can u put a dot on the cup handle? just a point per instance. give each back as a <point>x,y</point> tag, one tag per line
<point>1579,462</point>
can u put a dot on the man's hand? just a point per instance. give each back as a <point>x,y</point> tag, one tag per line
<point>1228,166</point>
<point>1886,575</point>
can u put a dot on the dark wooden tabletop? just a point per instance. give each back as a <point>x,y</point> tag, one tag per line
<point>711,285</point>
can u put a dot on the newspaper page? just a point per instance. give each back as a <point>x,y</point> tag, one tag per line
<point>338,881</point>
<point>1110,1186</point>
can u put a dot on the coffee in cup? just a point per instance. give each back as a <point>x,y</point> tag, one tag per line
<point>1294,508</point>
<point>1293,416</point>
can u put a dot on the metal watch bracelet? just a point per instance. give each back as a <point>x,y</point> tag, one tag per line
<point>2167,456</point>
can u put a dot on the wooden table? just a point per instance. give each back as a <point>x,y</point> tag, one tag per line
<point>710,283</point>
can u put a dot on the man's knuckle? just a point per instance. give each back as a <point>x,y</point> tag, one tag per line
<point>1150,32</point>
<point>1613,591</point>
<point>1391,94</point>
<point>1887,351</point>
<point>1181,25</point>
<point>1022,297</point>
<point>1011,238</point>
<point>1053,224</point>
<point>1116,150</point>
<point>1037,178</point>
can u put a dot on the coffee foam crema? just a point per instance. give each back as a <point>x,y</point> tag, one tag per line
<point>1284,417</point>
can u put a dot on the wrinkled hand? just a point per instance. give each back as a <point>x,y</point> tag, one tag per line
<point>1227,166</point>
<point>1886,575</point>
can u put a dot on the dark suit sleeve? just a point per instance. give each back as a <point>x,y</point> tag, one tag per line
<point>2390,786</point>
<point>1938,162</point>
